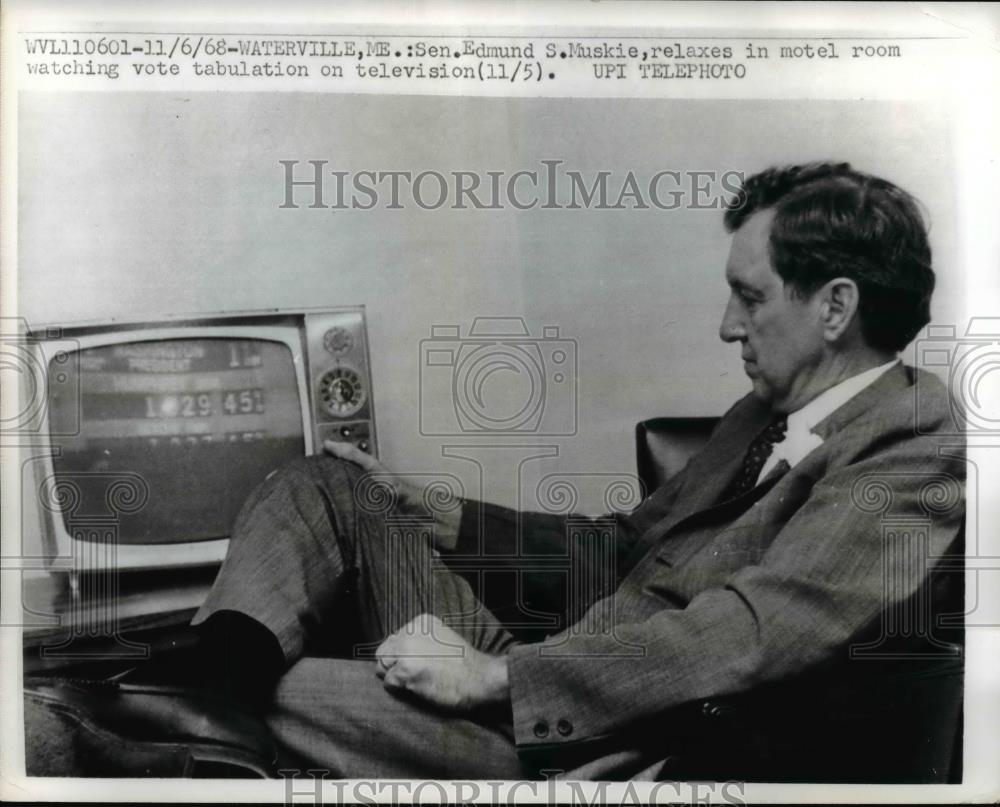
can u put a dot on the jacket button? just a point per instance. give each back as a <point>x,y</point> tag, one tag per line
<point>541,729</point>
<point>709,709</point>
<point>564,727</point>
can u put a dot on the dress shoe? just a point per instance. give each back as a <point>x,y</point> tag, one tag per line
<point>136,728</point>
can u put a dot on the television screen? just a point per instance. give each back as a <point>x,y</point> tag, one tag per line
<point>200,421</point>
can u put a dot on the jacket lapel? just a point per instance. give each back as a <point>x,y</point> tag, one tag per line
<point>713,469</point>
<point>731,508</point>
<point>718,464</point>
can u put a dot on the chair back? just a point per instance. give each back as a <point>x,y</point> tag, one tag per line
<point>665,444</point>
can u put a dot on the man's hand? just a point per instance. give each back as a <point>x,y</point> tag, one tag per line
<point>410,497</point>
<point>428,659</point>
<point>407,495</point>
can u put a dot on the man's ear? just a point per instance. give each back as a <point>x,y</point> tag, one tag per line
<point>839,300</point>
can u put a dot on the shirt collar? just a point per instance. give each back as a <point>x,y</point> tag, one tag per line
<point>800,439</point>
<point>827,402</point>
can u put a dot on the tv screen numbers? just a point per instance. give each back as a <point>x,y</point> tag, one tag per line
<point>243,402</point>
<point>221,438</point>
<point>244,354</point>
<point>188,405</point>
<point>174,406</point>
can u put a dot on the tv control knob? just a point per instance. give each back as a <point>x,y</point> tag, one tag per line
<point>345,431</point>
<point>338,341</point>
<point>363,445</point>
<point>341,392</point>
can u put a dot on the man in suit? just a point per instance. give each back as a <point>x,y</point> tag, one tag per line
<point>726,642</point>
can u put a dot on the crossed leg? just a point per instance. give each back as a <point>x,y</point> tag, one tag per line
<point>314,561</point>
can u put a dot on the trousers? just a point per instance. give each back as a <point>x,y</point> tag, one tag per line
<point>330,568</point>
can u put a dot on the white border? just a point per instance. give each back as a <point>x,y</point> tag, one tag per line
<point>978,180</point>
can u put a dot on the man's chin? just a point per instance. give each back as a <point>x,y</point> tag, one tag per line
<point>762,391</point>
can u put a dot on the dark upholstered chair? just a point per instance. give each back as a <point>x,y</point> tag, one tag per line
<point>664,445</point>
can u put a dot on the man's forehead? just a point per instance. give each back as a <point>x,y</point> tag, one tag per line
<point>749,254</point>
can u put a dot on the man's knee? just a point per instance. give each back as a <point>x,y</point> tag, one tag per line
<point>331,473</point>
<point>310,486</point>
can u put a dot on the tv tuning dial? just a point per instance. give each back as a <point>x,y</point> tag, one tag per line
<point>341,392</point>
<point>338,341</point>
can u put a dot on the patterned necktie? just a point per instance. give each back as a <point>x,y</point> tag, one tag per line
<point>758,452</point>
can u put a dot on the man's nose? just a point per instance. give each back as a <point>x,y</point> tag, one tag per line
<point>731,329</point>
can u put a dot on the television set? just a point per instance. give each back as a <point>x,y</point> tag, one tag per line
<point>157,432</point>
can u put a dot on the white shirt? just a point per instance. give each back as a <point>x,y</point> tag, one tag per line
<point>800,439</point>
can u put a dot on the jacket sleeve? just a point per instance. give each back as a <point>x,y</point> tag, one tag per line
<point>501,532</point>
<point>819,583</point>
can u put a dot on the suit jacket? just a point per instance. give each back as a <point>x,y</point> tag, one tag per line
<point>748,600</point>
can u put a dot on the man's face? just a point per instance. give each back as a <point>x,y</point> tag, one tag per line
<point>780,334</point>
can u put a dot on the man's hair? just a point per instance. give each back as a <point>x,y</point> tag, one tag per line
<point>832,221</point>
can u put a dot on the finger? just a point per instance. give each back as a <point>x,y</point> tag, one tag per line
<point>351,453</point>
<point>385,657</point>
<point>384,664</point>
<point>395,678</point>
